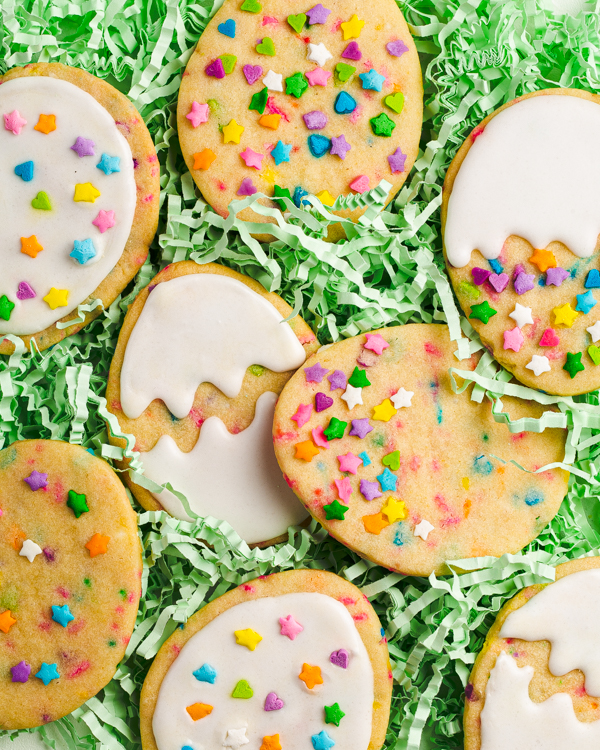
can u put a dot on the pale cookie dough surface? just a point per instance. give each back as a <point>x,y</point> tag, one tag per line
<point>229,98</point>
<point>96,588</point>
<point>512,697</point>
<point>436,490</point>
<point>222,444</point>
<point>504,204</point>
<point>328,626</point>
<point>84,107</point>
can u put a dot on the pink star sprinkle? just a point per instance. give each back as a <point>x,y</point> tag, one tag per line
<point>349,462</point>
<point>14,122</point>
<point>318,77</point>
<point>360,184</point>
<point>290,627</point>
<point>302,415</point>
<point>513,339</point>
<point>319,438</point>
<point>344,488</point>
<point>198,114</point>
<point>376,343</point>
<point>252,159</point>
<point>105,220</point>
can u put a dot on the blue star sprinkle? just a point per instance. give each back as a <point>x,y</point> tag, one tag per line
<point>387,480</point>
<point>62,615</point>
<point>281,152</point>
<point>109,164</point>
<point>322,741</point>
<point>47,673</point>
<point>206,673</point>
<point>83,250</point>
<point>585,302</point>
<point>372,80</point>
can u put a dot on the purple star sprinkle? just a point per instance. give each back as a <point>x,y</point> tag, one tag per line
<point>523,283</point>
<point>252,73</point>
<point>370,490</point>
<point>20,672</point>
<point>24,291</point>
<point>352,51</point>
<point>36,480</point>
<point>337,380</point>
<point>360,428</point>
<point>83,147</point>
<point>480,275</point>
<point>322,401</point>
<point>499,281</point>
<point>340,146</point>
<point>556,276</point>
<point>246,187</point>
<point>315,120</point>
<point>397,160</point>
<point>318,14</point>
<point>315,374</point>
<point>396,48</point>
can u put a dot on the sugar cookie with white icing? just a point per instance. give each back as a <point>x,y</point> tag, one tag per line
<point>402,470</point>
<point>536,681</point>
<point>201,359</point>
<point>79,199</point>
<point>292,660</point>
<point>521,237</point>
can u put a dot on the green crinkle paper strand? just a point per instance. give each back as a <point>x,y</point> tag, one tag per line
<point>475,55</point>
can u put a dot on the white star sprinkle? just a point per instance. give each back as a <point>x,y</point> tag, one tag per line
<point>538,365</point>
<point>521,315</point>
<point>423,529</point>
<point>235,738</point>
<point>30,550</point>
<point>318,53</point>
<point>594,331</point>
<point>352,396</point>
<point>402,398</point>
<point>273,81</point>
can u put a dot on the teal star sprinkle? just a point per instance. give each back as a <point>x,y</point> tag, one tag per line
<point>109,164</point>
<point>585,302</point>
<point>206,673</point>
<point>62,615</point>
<point>372,80</point>
<point>387,480</point>
<point>281,152</point>
<point>83,251</point>
<point>47,673</point>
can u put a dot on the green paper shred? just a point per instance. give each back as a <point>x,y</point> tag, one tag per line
<point>476,55</point>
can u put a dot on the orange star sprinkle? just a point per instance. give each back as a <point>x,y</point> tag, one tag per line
<point>271,743</point>
<point>204,159</point>
<point>6,621</point>
<point>46,124</point>
<point>98,545</point>
<point>375,524</point>
<point>199,710</point>
<point>306,450</point>
<point>30,246</point>
<point>270,121</point>
<point>310,676</point>
<point>543,259</point>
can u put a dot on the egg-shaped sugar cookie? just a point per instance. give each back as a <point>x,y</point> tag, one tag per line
<point>521,234</point>
<point>78,200</point>
<point>201,359</point>
<point>292,660</point>
<point>398,467</point>
<point>536,682</point>
<point>71,566</point>
<point>293,100</point>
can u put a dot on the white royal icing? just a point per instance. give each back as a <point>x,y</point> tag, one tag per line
<point>202,328</point>
<point>57,169</point>
<point>273,667</point>
<point>233,477</point>
<point>566,613</point>
<point>510,719</point>
<point>533,172</point>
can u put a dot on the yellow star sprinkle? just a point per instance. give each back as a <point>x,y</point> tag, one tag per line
<point>269,175</point>
<point>326,198</point>
<point>85,191</point>
<point>232,132</point>
<point>249,638</point>
<point>394,510</point>
<point>565,315</point>
<point>543,259</point>
<point>384,411</point>
<point>57,298</point>
<point>352,28</point>
<point>46,124</point>
<point>306,450</point>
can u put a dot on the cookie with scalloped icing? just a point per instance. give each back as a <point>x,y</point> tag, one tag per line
<point>521,237</point>
<point>323,99</point>
<point>291,660</point>
<point>80,201</point>
<point>71,579</point>
<point>398,467</point>
<point>201,359</point>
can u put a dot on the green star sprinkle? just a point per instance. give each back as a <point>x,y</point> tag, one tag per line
<point>382,125</point>
<point>296,85</point>
<point>77,503</point>
<point>334,714</point>
<point>335,429</point>
<point>279,192</point>
<point>229,62</point>
<point>482,312</point>
<point>358,379</point>
<point>6,307</point>
<point>573,364</point>
<point>259,100</point>
<point>335,512</point>
<point>344,71</point>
